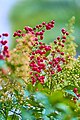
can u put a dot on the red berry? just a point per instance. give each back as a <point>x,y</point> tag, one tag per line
<point>43,23</point>
<point>59,69</point>
<point>63,31</point>
<point>75,90</point>
<point>1,57</point>
<point>55,41</point>
<point>36,75</point>
<point>58,66</point>
<point>63,40</point>
<point>40,43</point>
<point>58,38</point>
<point>34,28</point>
<point>18,34</point>
<point>62,53</point>
<point>7,55</point>
<point>59,43</point>
<point>50,62</point>
<point>37,26</point>
<point>58,50</point>
<point>40,25</point>
<point>5,48</point>
<point>64,37</point>
<point>48,27</point>
<point>52,21</point>
<point>41,37</point>
<point>5,41</point>
<point>19,31</point>
<point>67,33</point>
<point>15,34</point>
<point>63,59</point>
<point>41,33</point>
<point>52,72</point>
<point>62,45</point>
<point>35,39</point>
<point>5,34</point>
<point>78,95</point>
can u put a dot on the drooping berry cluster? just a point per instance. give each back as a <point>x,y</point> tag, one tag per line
<point>75,90</point>
<point>4,52</point>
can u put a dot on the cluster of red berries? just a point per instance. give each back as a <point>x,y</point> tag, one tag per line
<point>75,90</point>
<point>49,64</point>
<point>40,62</point>
<point>37,63</point>
<point>57,53</point>
<point>61,40</point>
<point>4,52</point>
<point>38,31</point>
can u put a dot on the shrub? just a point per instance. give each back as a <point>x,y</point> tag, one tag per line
<point>40,81</point>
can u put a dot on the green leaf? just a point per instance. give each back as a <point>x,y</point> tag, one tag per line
<point>56,97</point>
<point>47,53</point>
<point>26,93</point>
<point>21,81</point>
<point>16,92</point>
<point>30,87</point>
<point>42,98</point>
<point>48,110</point>
<point>2,62</point>
<point>63,108</point>
<point>45,118</point>
<point>26,115</point>
<point>13,117</point>
<point>39,86</point>
<point>71,93</point>
<point>2,117</point>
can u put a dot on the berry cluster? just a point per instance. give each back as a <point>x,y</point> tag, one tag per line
<point>75,90</point>
<point>38,62</point>
<point>4,52</point>
<point>38,30</point>
<point>44,60</point>
<point>57,54</point>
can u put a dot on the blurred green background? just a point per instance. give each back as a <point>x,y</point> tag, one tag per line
<point>33,12</point>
